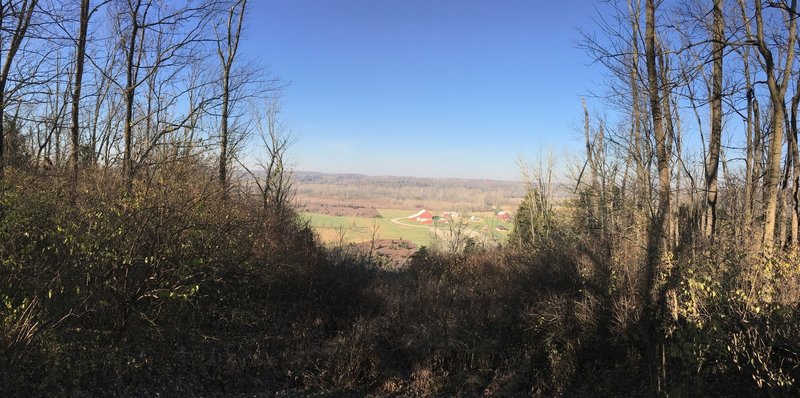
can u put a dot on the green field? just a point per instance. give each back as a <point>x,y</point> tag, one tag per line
<point>359,229</point>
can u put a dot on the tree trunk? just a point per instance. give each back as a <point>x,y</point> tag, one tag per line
<point>660,222</point>
<point>777,92</point>
<point>227,57</point>
<point>669,132</point>
<point>715,137</point>
<point>23,19</point>
<point>76,94</point>
<point>758,158</point>
<point>795,226</point>
<point>662,156</point>
<point>590,163</point>
<point>678,179</point>
<point>642,179</point>
<point>749,160</point>
<point>130,92</point>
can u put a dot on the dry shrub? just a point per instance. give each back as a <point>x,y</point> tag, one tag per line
<point>170,274</point>
<point>174,289</point>
<point>625,314</point>
<point>426,382</point>
<point>355,361</point>
<point>737,321</point>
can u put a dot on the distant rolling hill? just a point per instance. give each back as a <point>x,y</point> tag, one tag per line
<point>406,192</point>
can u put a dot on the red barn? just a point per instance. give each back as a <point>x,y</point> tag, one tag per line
<point>504,216</point>
<point>423,216</point>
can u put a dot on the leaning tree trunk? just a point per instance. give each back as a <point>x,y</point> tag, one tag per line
<point>18,32</point>
<point>793,147</point>
<point>777,91</point>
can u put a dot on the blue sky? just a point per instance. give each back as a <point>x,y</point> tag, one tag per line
<point>432,88</point>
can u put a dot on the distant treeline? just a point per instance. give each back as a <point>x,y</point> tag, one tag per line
<point>409,192</point>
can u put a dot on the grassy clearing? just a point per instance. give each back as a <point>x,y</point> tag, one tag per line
<point>359,229</point>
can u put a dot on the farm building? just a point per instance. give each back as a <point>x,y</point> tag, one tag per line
<point>423,216</point>
<point>503,215</point>
<point>450,215</point>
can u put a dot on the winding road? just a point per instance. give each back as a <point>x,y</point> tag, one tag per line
<point>442,233</point>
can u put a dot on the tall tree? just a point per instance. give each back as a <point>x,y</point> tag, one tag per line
<point>227,46</point>
<point>776,83</point>
<point>20,14</point>
<point>795,154</point>
<point>660,223</point>
<point>131,74</point>
<point>594,193</point>
<point>751,128</point>
<point>157,42</point>
<point>80,57</point>
<point>636,145</point>
<point>715,136</point>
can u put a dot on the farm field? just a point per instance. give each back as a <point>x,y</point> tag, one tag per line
<point>359,229</point>
<point>392,224</point>
<point>348,207</point>
<point>316,190</point>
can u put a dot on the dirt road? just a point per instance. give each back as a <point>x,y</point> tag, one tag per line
<point>442,233</point>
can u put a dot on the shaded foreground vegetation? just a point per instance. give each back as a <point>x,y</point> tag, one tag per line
<point>172,289</point>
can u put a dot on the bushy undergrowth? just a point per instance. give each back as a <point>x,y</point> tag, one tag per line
<point>172,289</point>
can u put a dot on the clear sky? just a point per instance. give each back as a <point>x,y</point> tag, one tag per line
<point>432,88</point>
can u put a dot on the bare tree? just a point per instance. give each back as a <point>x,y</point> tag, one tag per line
<point>777,83</point>
<point>749,129</point>
<point>534,221</point>
<point>80,57</point>
<point>715,136</point>
<point>454,237</point>
<point>227,47</point>
<point>637,141</point>
<point>660,223</point>
<point>591,164</point>
<point>157,39</point>
<point>20,14</point>
<point>274,179</point>
<point>374,229</point>
<point>105,108</point>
